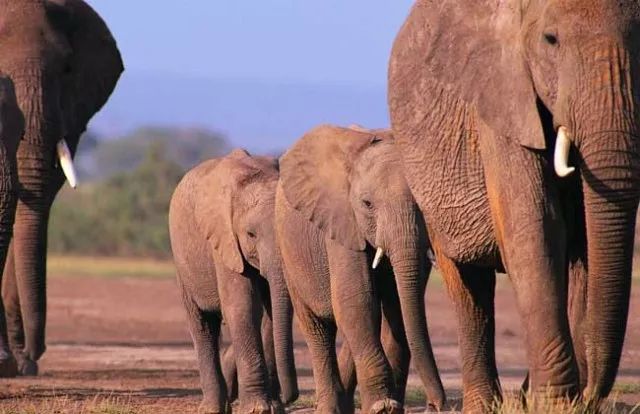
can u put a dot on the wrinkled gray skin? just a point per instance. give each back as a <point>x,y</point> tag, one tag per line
<point>341,195</point>
<point>228,266</point>
<point>11,131</point>
<point>477,90</point>
<point>64,64</point>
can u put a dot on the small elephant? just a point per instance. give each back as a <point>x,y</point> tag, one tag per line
<point>64,64</point>
<point>341,200</point>
<point>221,223</point>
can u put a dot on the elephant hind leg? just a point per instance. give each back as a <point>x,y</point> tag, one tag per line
<point>472,291</point>
<point>205,333</point>
<point>230,372</point>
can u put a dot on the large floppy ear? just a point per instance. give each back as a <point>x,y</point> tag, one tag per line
<point>314,174</point>
<point>467,54</point>
<point>94,66</point>
<point>214,203</point>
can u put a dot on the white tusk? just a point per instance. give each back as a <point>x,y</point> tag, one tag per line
<point>66,162</point>
<point>378,257</point>
<point>561,154</point>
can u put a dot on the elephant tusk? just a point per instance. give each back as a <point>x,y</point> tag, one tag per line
<point>66,163</point>
<point>561,154</point>
<point>378,257</point>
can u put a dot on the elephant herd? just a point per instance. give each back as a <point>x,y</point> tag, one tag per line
<point>513,148</point>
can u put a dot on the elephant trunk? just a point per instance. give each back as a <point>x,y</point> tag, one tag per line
<point>39,100</point>
<point>282,316</point>
<point>607,134</point>
<point>610,185</point>
<point>408,255</point>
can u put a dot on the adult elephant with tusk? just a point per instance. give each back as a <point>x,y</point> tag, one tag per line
<point>479,92</point>
<point>341,197</point>
<point>64,63</point>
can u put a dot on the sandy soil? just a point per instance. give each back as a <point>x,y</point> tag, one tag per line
<point>125,340</point>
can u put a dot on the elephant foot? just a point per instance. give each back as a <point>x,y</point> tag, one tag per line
<point>207,407</point>
<point>27,367</point>
<point>8,367</point>
<point>262,407</point>
<point>386,406</point>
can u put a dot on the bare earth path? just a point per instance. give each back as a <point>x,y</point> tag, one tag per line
<point>124,340</point>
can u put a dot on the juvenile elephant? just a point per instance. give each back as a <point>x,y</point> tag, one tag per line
<point>479,93</point>
<point>64,64</point>
<point>341,200</point>
<point>221,222</point>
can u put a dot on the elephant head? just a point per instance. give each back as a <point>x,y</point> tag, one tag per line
<point>64,64</point>
<point>543,73</point>
<point>349,183</point>
<point>236,212</point>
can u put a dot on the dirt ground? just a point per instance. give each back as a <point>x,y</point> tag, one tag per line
<point>124,341</point>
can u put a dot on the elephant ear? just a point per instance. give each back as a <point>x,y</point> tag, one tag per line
<point>464,51</point>
<point>94,66</point>
<point>314,174</point>
<point>214,202</point>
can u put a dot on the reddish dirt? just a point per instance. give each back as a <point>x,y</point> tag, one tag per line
<point>126,340</point>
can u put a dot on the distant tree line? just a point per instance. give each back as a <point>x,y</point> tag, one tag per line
<point>121,205</point>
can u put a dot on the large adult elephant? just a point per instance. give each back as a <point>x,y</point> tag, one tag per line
<point>343,207</point>
<point>480,92</point>
<point>221,223</point>
<point>64,64</point>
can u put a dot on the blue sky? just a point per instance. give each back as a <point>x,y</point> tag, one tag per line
<point>260,72</point>
<point>308,40</point>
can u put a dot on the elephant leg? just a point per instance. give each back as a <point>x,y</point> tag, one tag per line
<point>320,335</point>
<point>347,368</point>
<point>577,315</point>
<point>394,338</point>
<point>205,332</point>
<point>270,354</point>
<point>472,291</point>
<point>8,326</point>
<point>531,234</point>
<point>242,310</point>
<point>230,372</point>
<point>357,310</point>
<point>15,327</point>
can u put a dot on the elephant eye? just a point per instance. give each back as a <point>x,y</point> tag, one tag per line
<point>550,38</point>
<point>251,234</point>
<point>367,203</point>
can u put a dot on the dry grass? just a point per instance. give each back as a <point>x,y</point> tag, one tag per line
<point>512,404</point>
<point>65,405</point>
<point>108,267</point>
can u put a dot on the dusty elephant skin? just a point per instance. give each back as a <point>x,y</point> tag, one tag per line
<point>64,64</point>
<point>342,198</point>
<point>478,92</point>
<point>11,130</point>
<point>221,222</point>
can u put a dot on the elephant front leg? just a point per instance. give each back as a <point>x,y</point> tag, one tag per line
<point>357,312</point>
<point>204,327</point>
<point>242,311</point>
<point>11,321</point>
<point>531,235</point>
<point>472,291</point>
